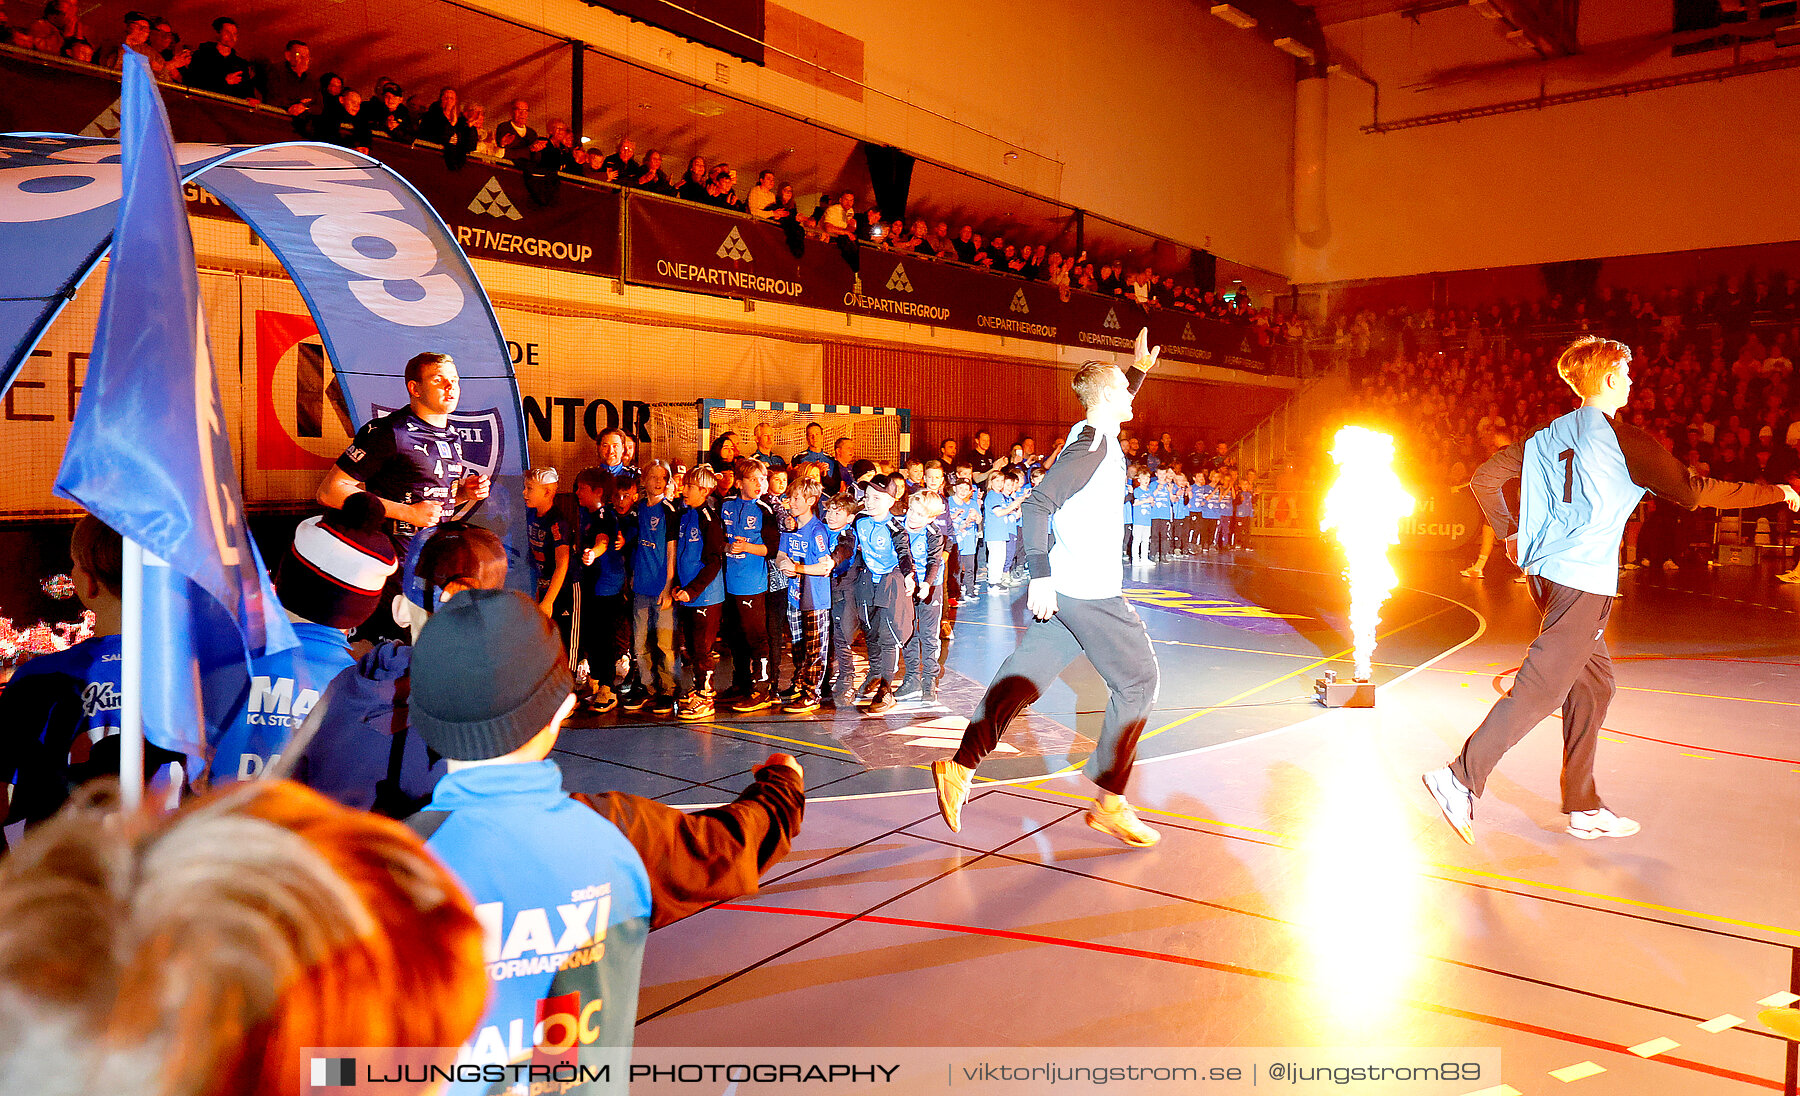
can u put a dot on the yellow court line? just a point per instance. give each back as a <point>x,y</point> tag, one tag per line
<point>1228,701</point>
<point>790,741</point>
<point>1288,842</point>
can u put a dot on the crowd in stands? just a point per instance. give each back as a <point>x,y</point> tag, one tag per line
<point>1712,373</point>
<point>326,107</point>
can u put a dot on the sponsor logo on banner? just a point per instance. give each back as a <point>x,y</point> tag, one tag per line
<point>1019,304</point>
<point>106,124</point>
<point>482,447</point>
<point>1010,325</point>
<point>856,298</point>
<point>493,202</point>
<point>301,421</point>
<point>1187,332</point>
<point>1112,319</point>
<point>734,249</point>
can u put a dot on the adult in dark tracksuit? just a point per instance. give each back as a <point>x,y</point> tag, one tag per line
<point>1076,597</point>
<point>1579,479</point>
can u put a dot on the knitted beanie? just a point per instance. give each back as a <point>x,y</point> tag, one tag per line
<point>488,673</point>
<point>339,563</point>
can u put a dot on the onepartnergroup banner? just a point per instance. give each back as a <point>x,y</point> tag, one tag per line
<point>904,1071</point>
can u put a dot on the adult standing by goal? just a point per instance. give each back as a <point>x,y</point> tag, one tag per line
<point>1071,528</point>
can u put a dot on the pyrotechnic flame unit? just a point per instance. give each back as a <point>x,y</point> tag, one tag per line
<point>1363,508</point>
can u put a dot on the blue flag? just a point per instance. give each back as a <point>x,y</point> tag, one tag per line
<point>148,455</point>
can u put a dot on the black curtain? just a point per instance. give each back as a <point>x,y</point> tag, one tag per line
<point>1205,270</point>
<point>890,170</point>
<point>1574,279</point>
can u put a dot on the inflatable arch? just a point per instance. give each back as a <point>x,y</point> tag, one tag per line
<point>380,272</point>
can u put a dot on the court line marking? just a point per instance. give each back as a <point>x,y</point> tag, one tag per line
<point>1224,968</point>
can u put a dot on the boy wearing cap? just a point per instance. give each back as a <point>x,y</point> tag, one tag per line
<point>699,590</point>
<point>883,590</point>
<point>329,582</point>
<point>568,886</point>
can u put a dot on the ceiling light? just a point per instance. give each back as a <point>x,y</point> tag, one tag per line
<point>1240,19</point>
<point>1295,49</point>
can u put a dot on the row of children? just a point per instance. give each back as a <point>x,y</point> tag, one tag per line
<point>1168,516</point>
<point>652,572</point>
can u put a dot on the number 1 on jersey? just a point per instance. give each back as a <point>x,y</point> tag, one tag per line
<point>1567,456</point>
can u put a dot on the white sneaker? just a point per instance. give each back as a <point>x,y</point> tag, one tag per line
<point>1456,801</point>
<point>1122,822</point>
<point>1472,572</point>
<point>1588,825</point>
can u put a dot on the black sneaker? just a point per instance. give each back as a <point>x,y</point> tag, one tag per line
<point>881,701</point>
<point>663,705</point>
<point>757,699</point>
<point>635,701</point>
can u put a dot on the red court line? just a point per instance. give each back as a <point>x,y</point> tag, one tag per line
<point>1231,968</point>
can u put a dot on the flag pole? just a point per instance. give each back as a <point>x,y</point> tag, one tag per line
<point>131,664</point>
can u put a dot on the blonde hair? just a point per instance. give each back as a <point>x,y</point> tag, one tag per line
<point>197,954</point>
<point>805,489</point>
<point>701,475</point>
<point>1588,360</point>
<point>1091,380</point>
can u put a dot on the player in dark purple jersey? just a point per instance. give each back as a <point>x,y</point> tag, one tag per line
<point>411,459</point>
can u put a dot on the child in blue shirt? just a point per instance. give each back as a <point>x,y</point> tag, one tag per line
<point>884,590</point>
<point>653,595</point>
<point>926,543</point>
<point>1140,513</point>
<point>805,558</point>
<point>699,590</point>
<point>752,537</point>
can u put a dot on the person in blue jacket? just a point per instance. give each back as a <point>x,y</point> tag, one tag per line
<point>566,886</point>
<point>699,589</point>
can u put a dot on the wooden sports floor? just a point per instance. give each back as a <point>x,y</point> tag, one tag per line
<point>1306,893</point>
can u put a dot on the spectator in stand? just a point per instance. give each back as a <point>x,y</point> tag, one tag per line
<point>485,144</point>
<point>979,255</point>
<point>60,23</point>
<point>622,166</point>
<point>388,115</point>
<point>444,124</point>
<point>965,244</point>
<point>218,67</point>
<point>515,137</point>
<point>349,124</point>
<point>921,238</point>
<point>79,49</point>
<point>721,189</point>
<point>941,244</point>
<point>290,86</point>
<point>198,953</point>
<point>840,221</point>
<point>761,203</point>
<point>176,57</point>
<point>653,178</point>
<point>693,185</point>
<point>137,40</point>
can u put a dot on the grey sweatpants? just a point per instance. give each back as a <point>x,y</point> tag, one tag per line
<point>1109,632</point>
<point>1568,668</point>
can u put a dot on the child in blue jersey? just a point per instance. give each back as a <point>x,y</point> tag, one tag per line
<point>775,601</point>
<point>1141,506</point>
<point>752,537</point>
<point>605,558</point>
<point>551,541</point>
<point>1180,523</point>
<point>883,590</point>
<point>1579,480</point>
<point>1162,511</point>
<point>805,559</point>
<point>699,590</point>
<point>1225,506</point>
<point>653,595</point>
<point>847,617</point>
<point>1244,510</point>
<point>567,886</point>
<point>964,511</point>
<point>59,716</point>
<point>925,541</point>
<point>999,520</point>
